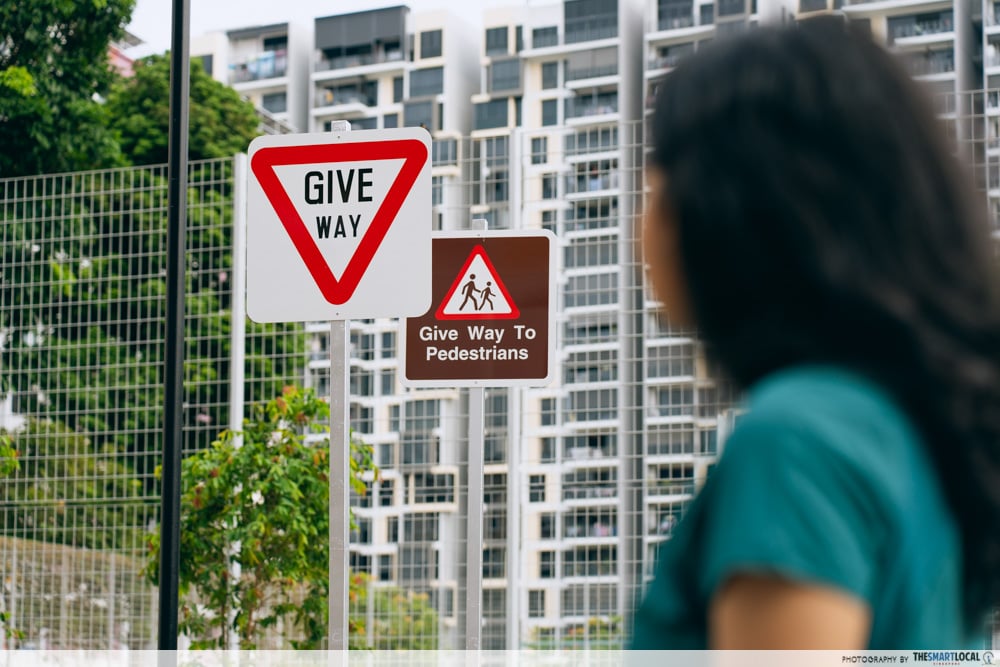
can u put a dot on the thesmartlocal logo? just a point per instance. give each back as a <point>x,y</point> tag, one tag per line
<point>954,657</point>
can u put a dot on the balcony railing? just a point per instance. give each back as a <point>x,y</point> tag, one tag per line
<point>940,62</point>
<point>675,22</point>
<point>591,492</point>
<point>591,106</point>
<point>591,72</point>
<point>359,60</point>
<point>920,28</point>
<point>600,26</point>
<point>665,62</point>
<point>595,529</point>
<point>671,487</point>
<point>591,183</point>
<point>267,65</point>
<point>336,96</point>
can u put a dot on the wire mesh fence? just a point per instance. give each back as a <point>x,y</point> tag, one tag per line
<point>584,479</point>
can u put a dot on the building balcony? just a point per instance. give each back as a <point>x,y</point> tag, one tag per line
<point>267,65</point>
<point>591,72</point>
<point>591,28</point>
<point>595,184</point>
<point>358,60</point>
<point>584,107</point>
<point>595,494</point>
<point>671,487</point>
<point>678,22</point>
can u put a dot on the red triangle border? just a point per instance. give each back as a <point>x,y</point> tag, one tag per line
<point>481,252</point>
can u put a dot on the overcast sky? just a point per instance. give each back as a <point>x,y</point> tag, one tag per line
<point>151,18</point>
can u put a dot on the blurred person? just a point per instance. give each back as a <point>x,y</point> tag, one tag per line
<point>806,214</point>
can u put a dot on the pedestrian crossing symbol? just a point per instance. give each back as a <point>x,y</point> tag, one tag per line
<point>478,293</point>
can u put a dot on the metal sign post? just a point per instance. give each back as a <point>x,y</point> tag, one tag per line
<point>474,540</point>
<point>474,535</point>
<point>340,467</point>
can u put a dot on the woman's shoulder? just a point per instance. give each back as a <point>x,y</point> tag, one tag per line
<point>821,414</point>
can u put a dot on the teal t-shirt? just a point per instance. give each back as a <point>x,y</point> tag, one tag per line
<point>823,480</point>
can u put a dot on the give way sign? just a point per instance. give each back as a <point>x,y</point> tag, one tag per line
<point>339,225</point>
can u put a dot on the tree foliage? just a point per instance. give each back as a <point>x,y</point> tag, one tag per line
<point>221,123</point>
<point>259,499</point>
<point>62,491</point>
<point>53,61</point>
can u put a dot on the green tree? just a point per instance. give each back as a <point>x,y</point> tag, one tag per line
<point>65,492</point>
<point>400,620</point>
<point>221,123</point>
<point>266,489</point>
<point>53,61</point>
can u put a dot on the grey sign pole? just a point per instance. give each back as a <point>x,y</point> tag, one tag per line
<point>340,466</point>
<point>474,539</point>
<point>474,543</point>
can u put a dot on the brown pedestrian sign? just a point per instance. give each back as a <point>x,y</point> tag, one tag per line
<point>490,319</point>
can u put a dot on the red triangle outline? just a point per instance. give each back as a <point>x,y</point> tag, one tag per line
<point>414,154</point>
<point>481,252</point>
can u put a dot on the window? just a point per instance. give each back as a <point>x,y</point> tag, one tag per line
<point>437,187</point>
<point>361,382</point>
<point>547,526</point>
<point>495,524</point>
<point>536,489</point>
<point>592,290</point>
<point>392,529</point>
<point>425,82</point>
<point>360,562</point>
<point>495,489</point>
<point>536,604</point>
<point>275,102</point>
<point>548,450</point>
<point>592,214</point>
<point>397,89</point>
<point>671,479</point>
<point>444,151</point>
<point>421,527</point>
<point>586,20</point>
<point>549,221</point>
<point>592,64</point>
<point>494,562</point>
<point>674,14</point>
<point>362,533</point>
<point>670,439</point>
<point>387,455</point>
<point>385,567</point>
<point>591,251</point>
<point>596,445</point>
<point>593,405</point>
<point>386,488</point>
<point>546,564</point>
<point>505,75</point>
<point>519,38</point>
<point>415,563</point>
<point>539,150</point>
<point>496,41</point>
<point>389,345</point>
<point>673,401</point>
<point>550,112</point>
<point>599,561</point>
<point>491,114</point>
<point>591,366</point>
<point>588,483</point>
<point>390,120</point>
<point>430,44</point>
<point>596,140</point>
<point>542,37</point>
<point>549,187</point>
<point>206,63</point>
<point>431,488</point>
<point>597,521</point>
<point>592,328</point>
<point>666,361</point>
<point>548,411</point>
<point>419,114</point>
<point>706,14</point>
<point>361,418</point>
<point>388,381</point>
<point>550,75</point>
<point>731,7</point>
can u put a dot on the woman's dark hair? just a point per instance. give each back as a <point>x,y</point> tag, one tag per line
<point>823,217</point>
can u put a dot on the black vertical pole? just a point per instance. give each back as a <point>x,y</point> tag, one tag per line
<point>173,424</point>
